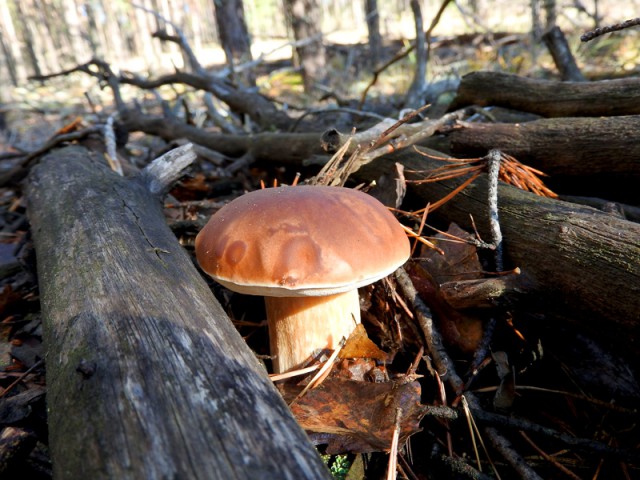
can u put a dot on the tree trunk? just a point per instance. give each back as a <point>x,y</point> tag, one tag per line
<point>305,20</point>
<point>146,375</point>
<point>549,98</point>
<point>560,51</point>
<point>373,28</point>
<point>579,261</point>
<point>585,156</point>
<point>234,35</point>
<point>72,30</point>
<point>11,46</point>
<point>536,22</point>
<point>28,38</point>
<point>416,95</point>
<point>550,14</point>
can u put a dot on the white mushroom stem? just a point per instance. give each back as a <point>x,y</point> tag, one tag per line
<point>300,326</point>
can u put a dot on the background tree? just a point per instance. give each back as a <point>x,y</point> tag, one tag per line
<point>234,35</point>
<point>305,20</point>
<point>373,28</point>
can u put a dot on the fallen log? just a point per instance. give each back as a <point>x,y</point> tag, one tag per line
<point>586,155</point>
<point>578,261</point>
<point>266,146</point>
<point>146,375</point>
<point>547,97</point>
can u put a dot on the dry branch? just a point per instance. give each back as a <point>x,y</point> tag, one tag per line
<point>609,28</point>
<point>549,98</point>
<point>261,110</point>
<point>267,146</point>
<point>146,375</point>
<point>600,154</point>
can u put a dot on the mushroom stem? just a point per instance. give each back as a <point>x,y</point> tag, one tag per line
<point>300,326</point>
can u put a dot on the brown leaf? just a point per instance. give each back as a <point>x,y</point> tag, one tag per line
<point>8,298</point>
<point>459,262</point>
<point>191,188</point>
<point>390,189</point>
<point>360,346</point>
<point>359,417</point>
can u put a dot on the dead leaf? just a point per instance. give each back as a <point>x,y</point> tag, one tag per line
<point>390,189</point>
<point>459,262</point>
<point>506,393</point>
<point>360,346</point>
<point>8,298</point>
<point>191,188</point>
<point>359,417</point>
<point>360,369</point>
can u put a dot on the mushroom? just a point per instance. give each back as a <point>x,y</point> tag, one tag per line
<point>307,250</point>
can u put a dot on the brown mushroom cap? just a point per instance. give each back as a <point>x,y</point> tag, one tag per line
<point>301,241</point>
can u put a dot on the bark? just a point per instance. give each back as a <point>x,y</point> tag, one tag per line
<point>146,375</point>
<point>416,94</point>
<point>72,32</point>
<point>234,35</point>
<point>373,29</point>
<point>28,37</point>
<point>559,48</point>
<point>550,13</point>
<point>578,261</point>
<point>536,22</point>
<point>549,98</point>
<point>11,46</point>
<point>305,19</point>
<point>588,156</point>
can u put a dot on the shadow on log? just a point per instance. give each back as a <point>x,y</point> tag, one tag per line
<point>146,375</point>
<point>580,261</point>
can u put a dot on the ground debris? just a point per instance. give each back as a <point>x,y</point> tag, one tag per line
<point>359,417</point>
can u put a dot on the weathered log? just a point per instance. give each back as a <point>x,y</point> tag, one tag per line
<point>577,259</point>
<point>549,98</point>
<point>584,155</point>
<point>146,375</point>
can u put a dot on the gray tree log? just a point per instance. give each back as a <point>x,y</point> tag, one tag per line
<point>146,375</point>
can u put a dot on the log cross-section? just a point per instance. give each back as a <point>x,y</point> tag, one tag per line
<point>146,375</point>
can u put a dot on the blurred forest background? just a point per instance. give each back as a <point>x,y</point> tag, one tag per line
<point>42,37</point>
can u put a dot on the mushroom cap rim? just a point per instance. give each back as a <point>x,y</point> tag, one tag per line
<point>302,291</point>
